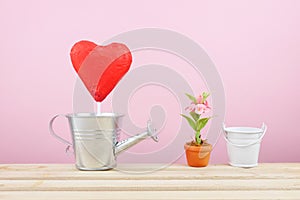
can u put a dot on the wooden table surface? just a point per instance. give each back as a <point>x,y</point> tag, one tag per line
<point>56,181</point>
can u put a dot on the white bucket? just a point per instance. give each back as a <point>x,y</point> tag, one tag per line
<point>243,144</point>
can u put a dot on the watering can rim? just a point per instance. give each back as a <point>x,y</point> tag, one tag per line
<point>88,115</point>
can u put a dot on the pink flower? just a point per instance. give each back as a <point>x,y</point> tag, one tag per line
<point>199,99</point>
<point>191,108</point>
<point>202,108</point>
<point>206,104</point>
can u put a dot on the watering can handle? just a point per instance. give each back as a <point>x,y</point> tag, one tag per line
<point>264,128</point>
<point>54,134</point>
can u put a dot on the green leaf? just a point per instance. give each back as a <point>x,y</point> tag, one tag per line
<point>195,116</point>
<point>192,98</point>
<point>200,124</point>
<point>190,121</point>
<point>205,95</point>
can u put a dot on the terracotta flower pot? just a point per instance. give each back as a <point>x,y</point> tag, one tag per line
<point>197,156</point>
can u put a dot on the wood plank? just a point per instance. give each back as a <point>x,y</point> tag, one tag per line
<point>168,175</point>
<point>129,195</point>
<point>68,172</point>
<point>148,185</point>
<point>149,167</point>
<point>48,181</point>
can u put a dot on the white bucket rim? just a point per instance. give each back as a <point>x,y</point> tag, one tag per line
<point>228,130</point>
<point>244,130</point>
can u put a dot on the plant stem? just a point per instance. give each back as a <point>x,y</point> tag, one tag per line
<point>198,138</point>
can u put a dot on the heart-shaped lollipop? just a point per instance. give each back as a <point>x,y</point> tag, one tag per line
<point>100,67</point>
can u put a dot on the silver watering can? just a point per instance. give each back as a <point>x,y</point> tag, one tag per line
<point>95,141</point>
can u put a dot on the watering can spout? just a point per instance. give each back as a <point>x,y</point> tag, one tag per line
<point>129,142</point>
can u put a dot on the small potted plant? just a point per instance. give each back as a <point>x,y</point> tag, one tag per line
<point>198,150</point>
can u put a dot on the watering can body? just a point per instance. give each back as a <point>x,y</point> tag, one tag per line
<point>95,139</point>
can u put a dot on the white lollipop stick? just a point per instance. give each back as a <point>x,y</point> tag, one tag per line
<point>98,108</point>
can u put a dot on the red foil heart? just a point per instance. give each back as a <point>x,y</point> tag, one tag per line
<point>100,67</point>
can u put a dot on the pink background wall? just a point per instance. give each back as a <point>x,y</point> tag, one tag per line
<point>254,44</point>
